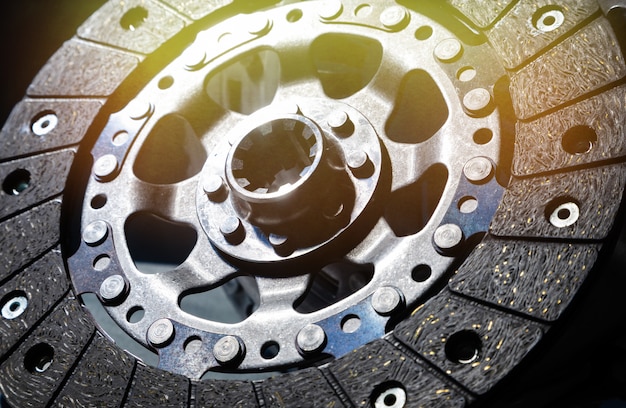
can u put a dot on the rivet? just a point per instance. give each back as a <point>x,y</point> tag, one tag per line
<point>448,237</point>
<point>477,101</point>
<point>360,164</point>
<point>228,350</point>
<point>259,25</point>
<point>330,9</point>
<point>95,233</point>
<point>394,18</point>
<point>161,332</point>
<point>340,123</point>
<point>310,339</point>
<point>478,169</point>
<point>386,300</point>
<point>448,50</point>
<point>105,167</point>
<point>215,188</point>
<point>232,229</point>
<point>113,288</point>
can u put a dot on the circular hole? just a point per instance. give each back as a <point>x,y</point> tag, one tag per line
<point>14,305</point>
<point>44,123</point>
<point>294,15</point>
<point>120,138</point>
<point>466,74</point>
<point>101,262</point>
<point>363,10</point>
<point>483,136</point>
<point>135,314</point>
<point>562,212</point>
<point>16,182</point>
<point>166,82</point>
<point>134,18</point>
<point>421,273</point>
<point>548,18</point>
<point>98,201</point>
<point>463,347</point>
<point>269,350</point>
<point>350,323</point>
<point>468,205</point>
<point>389,395</point>
<point>579,140</point>
<point>38,358</point>
<point>423,33</point>
<point>192,344</point>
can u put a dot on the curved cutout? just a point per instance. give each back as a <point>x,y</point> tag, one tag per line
<point>156,244</point>
<point>333,283</point>
<point>231,302</point>
<point>419,110</point>
<point>345,63</point>
<point>410,208</point>
<point>248,84</point>
<point>171,153</point>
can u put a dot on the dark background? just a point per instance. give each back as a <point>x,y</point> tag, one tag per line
<point>583,362</point>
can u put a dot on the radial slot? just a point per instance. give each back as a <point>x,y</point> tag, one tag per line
<point>410,208</point>
<point>247,84</point>
<point>276,154</point>
<point>171,153</point>
<point>419,109</point>
<point>333,283</point>
<point>231,302</point>
<point>158,245</point>
<point>345,63</point>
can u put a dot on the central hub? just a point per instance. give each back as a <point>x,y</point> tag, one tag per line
<point>274,168</point>
<point>281,185</point>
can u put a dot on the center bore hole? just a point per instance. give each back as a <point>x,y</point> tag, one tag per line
<point>276,154</point>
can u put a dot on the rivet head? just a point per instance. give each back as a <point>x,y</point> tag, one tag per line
<point>45,124</point>
<point>113,288</point>
<point>386,300</point>
<point>105,167</point>
<point>394,18</point>
<point>340,123</point>
<point>138,109</point>
<point>194,58</point>
<point>259,25</point>
<point>215,188</point>
<point>233,230</point>
<point>95,233</point>
<point>280,243</point>
<point>310,339</point>
<point>228,350</point>
<point>161,332</point>
<point>448,50</point>
<point>478,169</point>
<point>477,101</point>
<point>360,164</point>
<point>448,237</point>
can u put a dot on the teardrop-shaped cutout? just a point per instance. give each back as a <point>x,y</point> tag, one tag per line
<point>410,208</point>
<point>419,109</point>
<point>156,244</point>
<point>171,153</point>
<point>248,84</point>
<point>345,63</point>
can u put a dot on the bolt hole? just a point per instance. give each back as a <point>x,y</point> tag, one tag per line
<point>421,273</point>
<point>101,262</point>
<point>38,358</point>
<point>466,74</point>
<point>463,347</point>
<point>579,140</point>
<point>166,82</point>
<point>468,205</point>
<point>294,15</point>
<point>16,182</point>
<point>350,323</point>
<point>14,305</point>
<point>135,314</point>
<point>269,350</point>
<point>192,345</point>
<point>423,33</point>
<point>98,201</point>
<point>134,18</point>
<point>44,123</point>
<point>483,136</point>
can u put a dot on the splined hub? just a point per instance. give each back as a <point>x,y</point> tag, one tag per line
<point>255,192</point>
